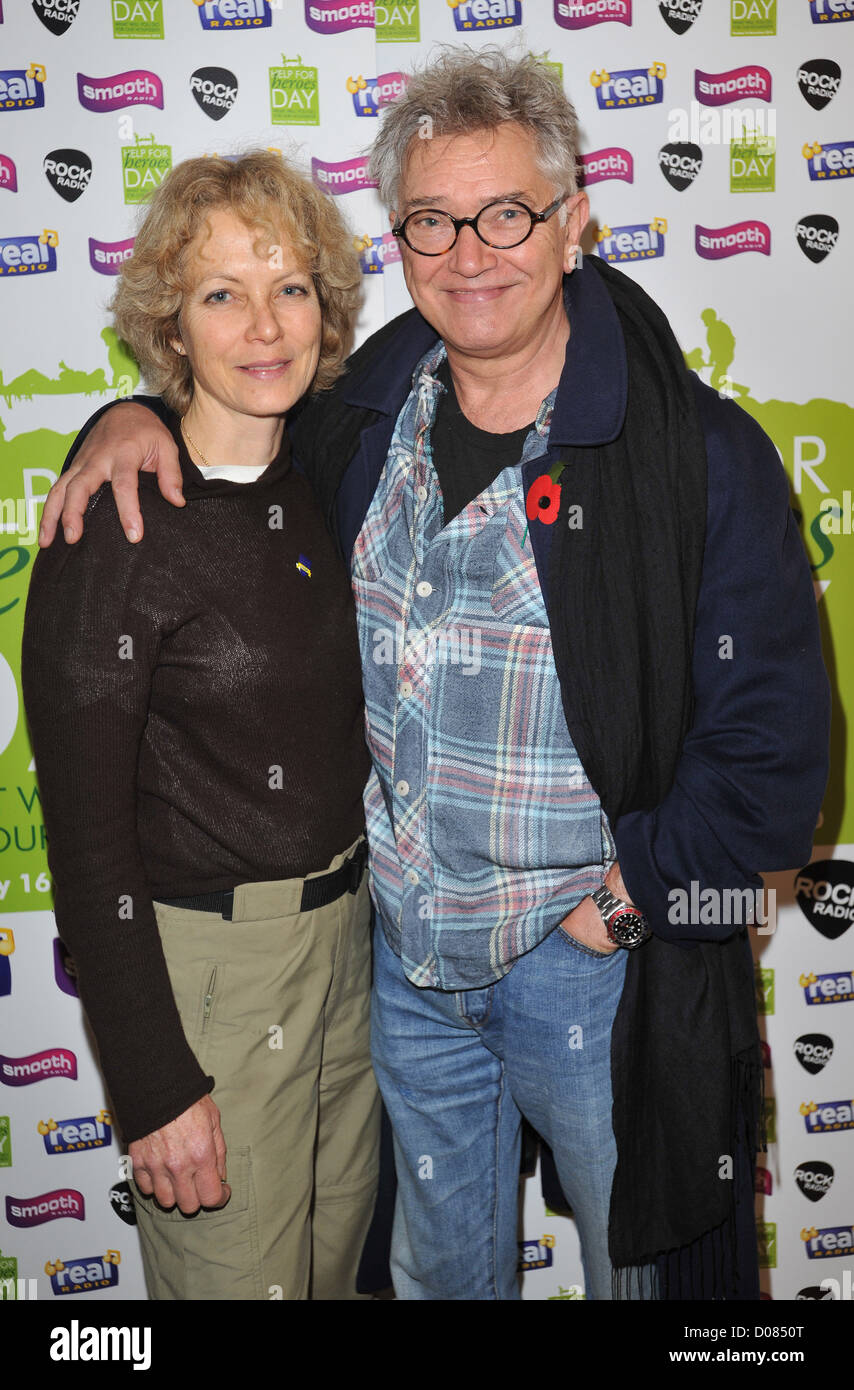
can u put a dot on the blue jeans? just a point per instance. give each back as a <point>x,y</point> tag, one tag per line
<point>457,1071</point>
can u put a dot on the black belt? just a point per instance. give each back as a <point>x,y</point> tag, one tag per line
<point>316,892</point>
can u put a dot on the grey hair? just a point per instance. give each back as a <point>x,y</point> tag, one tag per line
<point>466,89</point>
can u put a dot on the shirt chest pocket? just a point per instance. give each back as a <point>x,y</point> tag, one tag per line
<point>517,598</point>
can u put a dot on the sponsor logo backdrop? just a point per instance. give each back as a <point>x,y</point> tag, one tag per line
<point>719,155</point>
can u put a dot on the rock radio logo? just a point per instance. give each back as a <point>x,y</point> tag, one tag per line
<point>48,1206</point>
<point>827,989</point>
<point>717,243</point>
<point>107,257</point>
<point>721,88</point>
<point>824,890</point>
<point>834,161</point>
<point>610,163</point>
<point>8,173</point>
<point>818,81</point>
<point>470,15</point>
<point>680,163</point>
<point>294,93</point>
<point>817,235</point>
<point>38,1066</point>
<point>814,1179</point>
<point>580,14</point>
<point>329,17</point>
<point>679,15</point>
<point>371,93</point>
<point>22,89</point>
<point>28,255</point>
<point>637,241</point>
<point>629,87</point>
<point>347,176</point>
<point>137,87</point>
<point>68,172</point>
<point>827,1116</point>
<point>84,1273</point>
<point>76,1135</point>
<point>215,90</point>
<point>121,1201</point>
<point>813,1051</point>
<point>235,14</point>
<point>827,1243</point>
<point>56,15</point>
<point>831,11</point>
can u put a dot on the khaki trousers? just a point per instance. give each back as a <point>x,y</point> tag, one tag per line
<point>275,1004</point>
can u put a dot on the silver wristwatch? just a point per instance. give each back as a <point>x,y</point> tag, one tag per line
<point>626,925</point>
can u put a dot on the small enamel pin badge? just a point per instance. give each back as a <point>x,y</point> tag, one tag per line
<point>304,566</point>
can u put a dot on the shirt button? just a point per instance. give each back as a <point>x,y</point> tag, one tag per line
<point>405,689</point>
<point>411,876</point>
<point>402,788</point>
<point>423,590</point>
<point>421,494</point>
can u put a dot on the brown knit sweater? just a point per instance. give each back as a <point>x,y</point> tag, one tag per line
<point>196,715</point>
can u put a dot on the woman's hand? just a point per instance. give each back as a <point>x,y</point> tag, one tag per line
<point>127,439</point>
<point>183,1164</point>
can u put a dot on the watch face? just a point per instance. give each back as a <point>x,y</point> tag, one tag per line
<point>628,927</point>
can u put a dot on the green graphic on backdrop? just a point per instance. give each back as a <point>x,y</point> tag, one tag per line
<point>752,165</point>
<point>137,19</point>
<point>5,1142</point>
<point>293,93</point>
<point>145,164</point>
<point>29,463</point>
<point>766,1237</point>
<point>813,441</point>
<point>756,18</point>
<point>397,23</point>
<point>8,1277</point>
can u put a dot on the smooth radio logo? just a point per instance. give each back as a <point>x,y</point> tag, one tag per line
<point>827,1116</point>
<point>828,1242</point>
<point>637,241</point>
<point>235,14</point>
<point>28,255</point>
<point>48,1206</point>
<point>610,163</point>
<point>829,988</point>
<point>831,11</point>
<point>22,89</point>
<point>834,161</point>
<point>470,15</point>
<point>580,14</point>
<point>629,87</point>
<point>329,17</point>
<point>346,176</point>
<point>37,1066</point>
<point>371,93</point>
<point>107,257</point>
<point>8,173</point>
<point>717,243</point>
<point>720,88</point>
<point>137,87</point>
<point>84,1273</point>
<point>77,1135</point>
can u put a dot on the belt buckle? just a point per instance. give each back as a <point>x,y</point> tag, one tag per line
<point>357,865</point>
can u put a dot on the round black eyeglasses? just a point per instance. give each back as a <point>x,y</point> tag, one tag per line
<point>501,225</point>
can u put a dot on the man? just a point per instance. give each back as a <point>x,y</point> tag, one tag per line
<point>588,634</point>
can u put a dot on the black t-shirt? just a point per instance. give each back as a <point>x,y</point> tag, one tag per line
<point>467,459</point>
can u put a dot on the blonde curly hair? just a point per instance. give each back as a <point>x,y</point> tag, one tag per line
<point>266,192</point>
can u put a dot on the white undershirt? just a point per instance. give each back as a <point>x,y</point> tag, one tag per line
<point>233,472</point>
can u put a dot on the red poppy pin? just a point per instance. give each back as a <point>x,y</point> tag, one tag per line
<point>543,500</point>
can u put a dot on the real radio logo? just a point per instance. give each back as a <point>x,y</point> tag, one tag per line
<point>234,14</point>
<point>637,241</point>
<point>28,255</point>
<point>629,87</point>
<point>831,11</point>
<point>827,1242</point>
<point>829,161</point>
<point>371,93</point>
<point>829,988</point>
<point>84,1273</point>
<point>827,1116</point>
<point>473,15</point>
<point>22,89</point>
<point>78,1134</point>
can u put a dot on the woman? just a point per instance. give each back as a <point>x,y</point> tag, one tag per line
<point>196,716</point>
